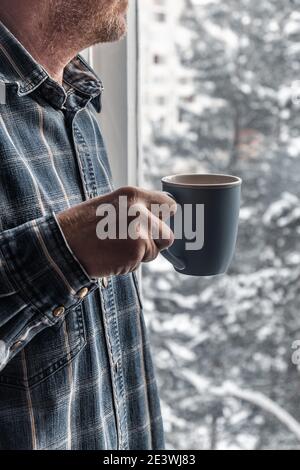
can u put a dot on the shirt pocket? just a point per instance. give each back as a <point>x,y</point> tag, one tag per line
<point>50,351</point>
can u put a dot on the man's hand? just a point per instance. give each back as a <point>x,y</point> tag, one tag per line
<point>105,257</point>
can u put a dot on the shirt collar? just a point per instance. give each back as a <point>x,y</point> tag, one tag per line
<point>19,67</point>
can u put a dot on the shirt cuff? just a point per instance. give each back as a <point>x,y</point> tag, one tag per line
<point>37,262</point>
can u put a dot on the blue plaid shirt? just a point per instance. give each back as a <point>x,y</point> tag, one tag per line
<point>76,370</point>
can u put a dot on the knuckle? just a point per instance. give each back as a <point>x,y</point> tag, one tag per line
<point>152,253</point>
<point>167,239</point>
<point>171,238</point>
<point>174,208</point>
<point>132,194</point>
<point>134,250</point>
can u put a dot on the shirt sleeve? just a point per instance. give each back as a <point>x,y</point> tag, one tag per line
<point>41,281</point>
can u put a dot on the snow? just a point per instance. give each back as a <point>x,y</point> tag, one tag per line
<point>294,147</point>
<point>293,258</point>
<point>284,94</point>
<point>222,346</point>
<point>294,49</point>
<point>181,352</point>
<point>202,385</point>
<point>202,103</point>
<point>181,323</point>
<point>279,208</point>
<point>292,27</point>
<point>182,301</point>
<point>225,35</point>
<point>247,213</point>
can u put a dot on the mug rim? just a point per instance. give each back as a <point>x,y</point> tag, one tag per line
<point>235,181</point>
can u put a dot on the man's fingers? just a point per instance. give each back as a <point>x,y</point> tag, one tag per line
<point>157,198</point>
<point>166,238</point>
<point>159,237</point>
<point>148,226</point>
<point>160,233</point>
<point>151,251</point>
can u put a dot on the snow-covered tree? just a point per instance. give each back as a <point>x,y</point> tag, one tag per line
<point>242,118</point>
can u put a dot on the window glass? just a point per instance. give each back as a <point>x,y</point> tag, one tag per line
<point>221,93</point>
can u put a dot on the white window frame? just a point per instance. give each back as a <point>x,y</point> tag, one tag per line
<point>118,65</point>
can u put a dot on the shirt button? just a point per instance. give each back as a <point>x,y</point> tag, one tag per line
<point>58,312</point>
<point>83,293</point>
<point>105,282</point>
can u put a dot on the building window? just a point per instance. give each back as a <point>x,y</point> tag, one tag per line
<point>160,17</point>
<point>159,59</point>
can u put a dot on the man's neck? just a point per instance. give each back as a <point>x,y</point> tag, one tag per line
<point>32,30</point>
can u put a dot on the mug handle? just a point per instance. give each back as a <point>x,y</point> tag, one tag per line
<point>174,260</point>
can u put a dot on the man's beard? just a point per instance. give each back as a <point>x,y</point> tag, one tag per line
<point>88,22</point>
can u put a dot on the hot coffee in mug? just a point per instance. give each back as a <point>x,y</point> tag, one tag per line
<point>206,223</point>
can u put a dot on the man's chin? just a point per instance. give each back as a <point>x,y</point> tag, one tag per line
<point>114,33</point>
<point>122,30</point>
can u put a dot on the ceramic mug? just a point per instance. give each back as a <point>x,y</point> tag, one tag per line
<point>208,213</point>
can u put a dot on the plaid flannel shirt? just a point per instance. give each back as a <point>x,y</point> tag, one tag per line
<point>76,369</point>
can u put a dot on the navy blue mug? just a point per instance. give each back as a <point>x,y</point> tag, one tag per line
<point>206,223</point>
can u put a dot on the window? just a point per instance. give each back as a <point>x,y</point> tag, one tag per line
<point>118,66</point>
<point>159,59</point>
<point>160,100</point>
<point>160,17</point>
<point>223,347</point>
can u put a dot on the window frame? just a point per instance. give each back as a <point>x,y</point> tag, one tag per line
<point>118,66</point>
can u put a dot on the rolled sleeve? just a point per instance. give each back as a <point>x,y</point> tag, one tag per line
<point>41,281</point>
<point>39,264</point>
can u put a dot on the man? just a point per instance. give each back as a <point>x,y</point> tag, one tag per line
<point>76,371</point>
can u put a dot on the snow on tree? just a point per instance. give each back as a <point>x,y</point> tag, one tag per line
<point>242,118</point>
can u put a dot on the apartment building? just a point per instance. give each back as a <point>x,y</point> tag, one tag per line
<point>164,82</point>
